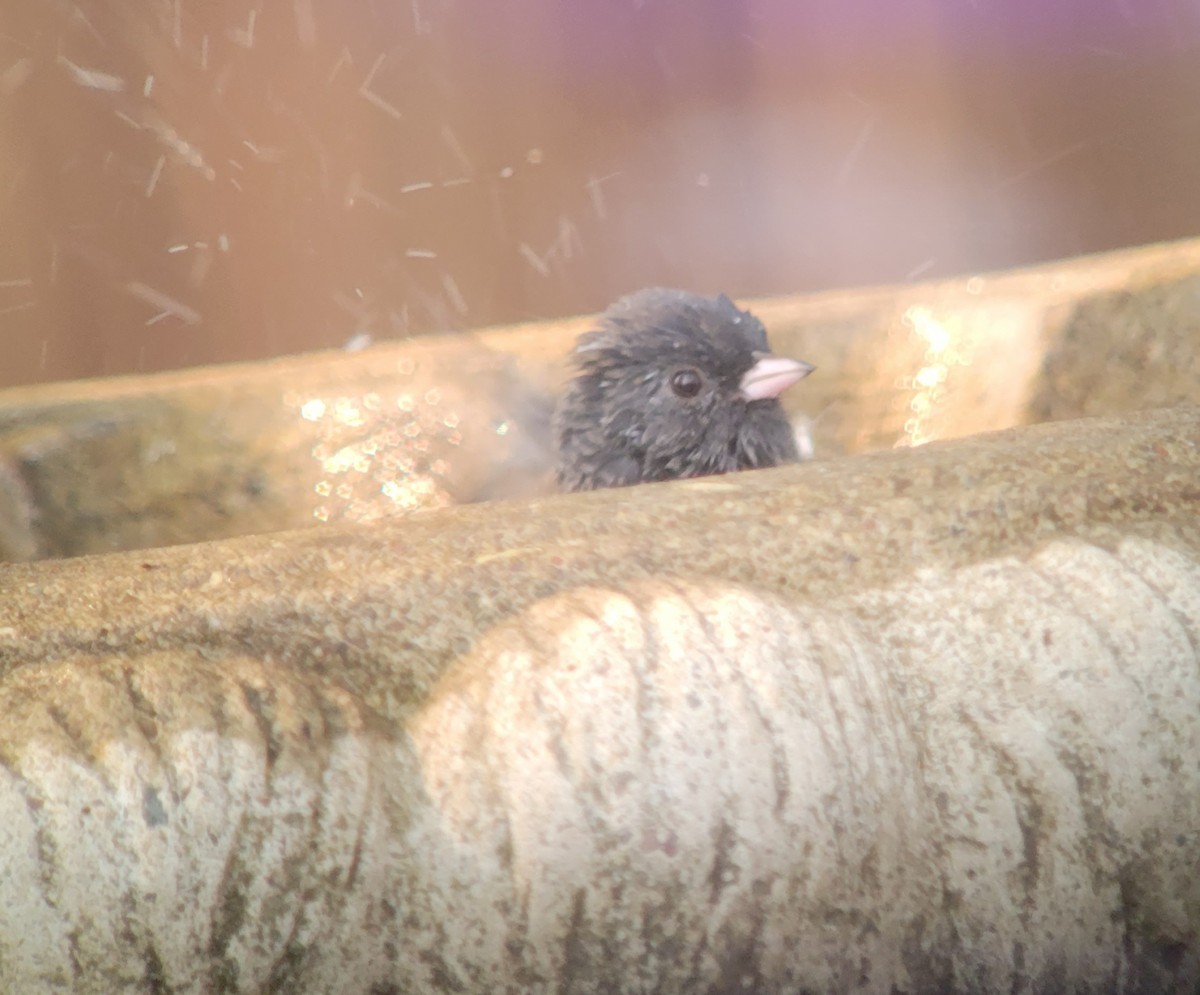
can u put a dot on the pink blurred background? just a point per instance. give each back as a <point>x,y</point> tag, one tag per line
<point>186,182</point>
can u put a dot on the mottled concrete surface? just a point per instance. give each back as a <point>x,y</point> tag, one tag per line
<point>925,718</point>
<point>919,720</point>
<point>144,462</point>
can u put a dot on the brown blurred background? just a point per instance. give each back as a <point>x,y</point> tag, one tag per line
<point>197,181</point>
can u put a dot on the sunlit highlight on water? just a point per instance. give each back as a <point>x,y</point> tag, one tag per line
<point>379,455</point>
<point>948,344</point>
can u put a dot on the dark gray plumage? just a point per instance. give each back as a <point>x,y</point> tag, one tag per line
<point>673,385</point>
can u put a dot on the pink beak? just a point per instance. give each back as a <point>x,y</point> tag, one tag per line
<point>771,375</point>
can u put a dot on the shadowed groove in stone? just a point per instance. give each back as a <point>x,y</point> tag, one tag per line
<point>239,909</point>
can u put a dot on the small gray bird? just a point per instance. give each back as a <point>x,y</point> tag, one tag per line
<point>673,385</point>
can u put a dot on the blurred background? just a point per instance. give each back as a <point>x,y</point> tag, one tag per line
<point>199,181</point>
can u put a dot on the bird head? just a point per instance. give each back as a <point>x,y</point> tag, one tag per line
<point>673,385</point>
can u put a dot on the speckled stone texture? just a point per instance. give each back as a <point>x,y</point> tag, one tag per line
<point>153,461</point>
<point>923,720</point>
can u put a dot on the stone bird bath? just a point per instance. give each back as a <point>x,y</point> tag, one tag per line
<point>917,718</point>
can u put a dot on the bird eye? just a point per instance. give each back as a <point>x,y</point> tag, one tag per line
<point>686,383</point>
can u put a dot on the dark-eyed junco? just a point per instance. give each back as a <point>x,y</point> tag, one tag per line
<point>673,385</point>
